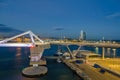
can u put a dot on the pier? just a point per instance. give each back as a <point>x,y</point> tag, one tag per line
<point>36,54</point>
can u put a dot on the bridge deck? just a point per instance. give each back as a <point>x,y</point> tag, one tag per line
<point>96,44</point>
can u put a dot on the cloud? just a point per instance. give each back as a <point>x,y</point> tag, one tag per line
<point>2,25</point>
<point>8,31</point>
<point>58,28</point>
<point>114,15</point>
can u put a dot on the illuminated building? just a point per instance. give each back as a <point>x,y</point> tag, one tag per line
<point>82,35</point>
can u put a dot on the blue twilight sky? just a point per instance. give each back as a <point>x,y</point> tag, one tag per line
<point>97,18</point>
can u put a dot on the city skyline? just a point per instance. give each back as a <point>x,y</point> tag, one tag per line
<point>51,18</point>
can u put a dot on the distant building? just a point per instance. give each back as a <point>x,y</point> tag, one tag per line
<point>82,35</point>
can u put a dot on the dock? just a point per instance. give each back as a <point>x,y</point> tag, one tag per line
<point>79,72</point>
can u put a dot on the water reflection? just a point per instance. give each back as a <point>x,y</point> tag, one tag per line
<point>26,50</point>
<point>18,52</point>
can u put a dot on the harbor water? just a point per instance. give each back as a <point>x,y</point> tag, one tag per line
<point>14,60</point>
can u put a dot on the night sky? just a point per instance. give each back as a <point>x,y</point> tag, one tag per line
<point>98,18</point>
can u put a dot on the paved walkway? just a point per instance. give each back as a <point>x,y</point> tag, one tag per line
<point>94,73</point>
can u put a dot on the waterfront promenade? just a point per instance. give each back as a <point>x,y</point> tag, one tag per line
<point>88,72</point>
<point>110,64</point>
